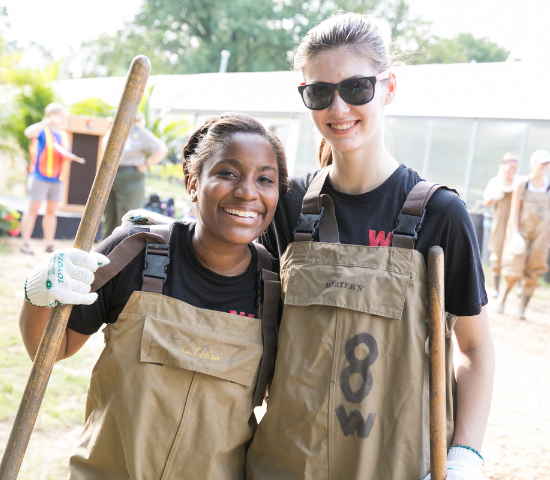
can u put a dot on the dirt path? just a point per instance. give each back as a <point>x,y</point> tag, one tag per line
<point>517,442</point>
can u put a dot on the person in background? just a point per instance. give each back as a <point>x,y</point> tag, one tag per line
<point>49,149</point>
<point>142,150</point>
<point>525,254</point>
<point>499,194</point>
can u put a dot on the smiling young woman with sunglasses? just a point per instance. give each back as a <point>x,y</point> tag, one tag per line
<point>349,394</point>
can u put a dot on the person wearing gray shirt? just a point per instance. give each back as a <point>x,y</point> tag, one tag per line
<point>142,150</point>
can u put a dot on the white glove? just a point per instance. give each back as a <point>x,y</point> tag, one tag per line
<point>64,278</point>
<point>498,194</point>
<point>517,244</point>
<point>463,464</point>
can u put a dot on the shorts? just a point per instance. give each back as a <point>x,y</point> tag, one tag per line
<point>40,190</point>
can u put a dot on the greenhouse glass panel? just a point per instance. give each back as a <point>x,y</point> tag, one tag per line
<point>281,130</point>
<point>494,139</point>
<point>538,136</point>
<point>449,152</point>
<point>308,145</point>
<point>406,140</point>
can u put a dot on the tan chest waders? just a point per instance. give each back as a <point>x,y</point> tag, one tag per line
<point>534,227</point>
<point>501,215</point>
<point>173,392</point>
<point>350,395</point>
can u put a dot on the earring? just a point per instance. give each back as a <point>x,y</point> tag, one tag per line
<point>193,196</point>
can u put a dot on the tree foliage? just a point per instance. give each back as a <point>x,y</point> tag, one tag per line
<point>187,36</point>
<point>32,93</point>
<point>172,131</point>
<point>27,92</point>
<point>92,106</point>
<point>460,49</point>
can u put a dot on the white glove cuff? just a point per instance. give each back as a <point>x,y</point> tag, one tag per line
<point>466,456</point>
<point>30,289</point>
<point>38,281</point>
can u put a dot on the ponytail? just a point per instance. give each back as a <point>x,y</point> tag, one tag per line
<point>325,154</point>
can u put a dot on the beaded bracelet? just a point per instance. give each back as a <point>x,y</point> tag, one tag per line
<point>471,449</point>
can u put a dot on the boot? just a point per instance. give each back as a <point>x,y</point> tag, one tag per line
<point>494,293</point>
<point>499,304</point>
<point>522,306</point>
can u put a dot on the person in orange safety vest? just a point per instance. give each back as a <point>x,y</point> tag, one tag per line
<point>49,149</point>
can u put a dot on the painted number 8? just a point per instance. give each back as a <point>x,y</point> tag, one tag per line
<point>354,422</point>
<point>358,366</point>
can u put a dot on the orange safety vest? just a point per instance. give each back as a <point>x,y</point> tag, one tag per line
<point>47,159</point>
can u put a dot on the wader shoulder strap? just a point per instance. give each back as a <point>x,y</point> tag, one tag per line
<point>317,213</point>
<point>157,258</point>
<point>264,258</point>
<point>412,213</point>
<point>523,189</point>
<point>269,296</point>
<point>128,249</point>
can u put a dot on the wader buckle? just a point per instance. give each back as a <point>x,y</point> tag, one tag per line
<point>309,223</point>
<point>157,258</point>
<point>408,225</point>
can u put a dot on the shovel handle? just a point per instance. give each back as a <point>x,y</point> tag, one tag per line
<point>59,316</point>
<point>436,329</point>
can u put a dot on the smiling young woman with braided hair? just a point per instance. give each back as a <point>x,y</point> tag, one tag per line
<point>349,394</point>
<point>191,314</point>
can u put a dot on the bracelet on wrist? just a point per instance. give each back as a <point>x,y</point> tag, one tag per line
<point>471,449</point>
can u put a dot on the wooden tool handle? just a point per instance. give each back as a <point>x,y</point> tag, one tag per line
<point>436,328</point>
<point>57,323</point>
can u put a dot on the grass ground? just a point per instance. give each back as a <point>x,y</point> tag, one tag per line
<point>517,442</point>
<point>61,417</point>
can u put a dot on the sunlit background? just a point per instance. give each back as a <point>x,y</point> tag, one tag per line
<point>474,87</point>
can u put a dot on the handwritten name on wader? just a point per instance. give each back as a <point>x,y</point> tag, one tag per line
<point>197,352</point>
<point>349,286</point>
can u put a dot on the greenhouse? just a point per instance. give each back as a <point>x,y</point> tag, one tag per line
<point>451,123</point>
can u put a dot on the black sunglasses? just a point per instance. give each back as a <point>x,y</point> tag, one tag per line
<point>354,91</point>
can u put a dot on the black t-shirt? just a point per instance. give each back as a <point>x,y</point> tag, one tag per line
<point>369,218</point>
<point>187,280</point>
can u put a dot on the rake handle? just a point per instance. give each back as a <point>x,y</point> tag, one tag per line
<point>436,329</point>
<point>59,316</point>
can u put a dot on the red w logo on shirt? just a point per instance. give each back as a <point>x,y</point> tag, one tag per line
<point>380,239</point>
<point>242,314</point>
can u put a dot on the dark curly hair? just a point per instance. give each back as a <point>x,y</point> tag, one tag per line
<point>217,132</point>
